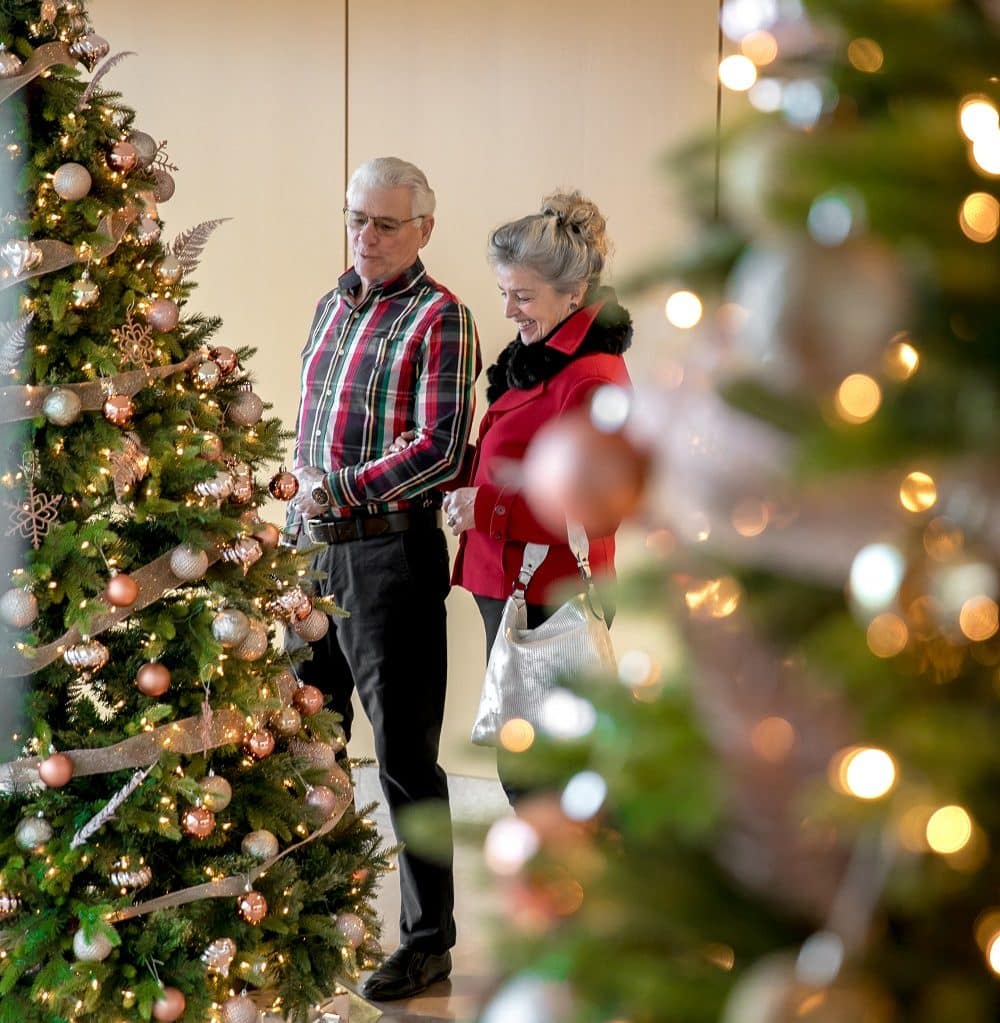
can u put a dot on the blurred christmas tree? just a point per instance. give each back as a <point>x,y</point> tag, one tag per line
<point>802,824</point>
<point>178,840</point>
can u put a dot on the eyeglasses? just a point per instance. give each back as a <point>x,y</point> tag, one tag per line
<point>356,221</point>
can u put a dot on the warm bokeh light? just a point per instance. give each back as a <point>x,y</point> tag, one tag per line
<point>876,574</point>
<point>865,54</point>
<point>858,398</point>
<point>749,517</point>
<point>517,735</point>
<point>993,954</point>
<point>737,72</point>
<point>979,618</point>
<point>917,492</point>
<point>986,153</point>
<point>978,117</point>
<point>772,739</point>
<point>661,542</point>
<point>911,828</point>
<point>865,772</point>
<point>887,635</point>
<point>901,359</point>
<point>713,598</point>
<point>509,844</point>
<point>760,46</point>
<point>943,539</point>
<point>979,217</point>
<point>637,669</point>
<point>683,309</point>
<point>949,830</point>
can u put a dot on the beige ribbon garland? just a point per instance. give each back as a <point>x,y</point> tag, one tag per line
<point>41,60</point>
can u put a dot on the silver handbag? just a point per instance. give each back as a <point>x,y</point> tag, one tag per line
<point>525,664</point>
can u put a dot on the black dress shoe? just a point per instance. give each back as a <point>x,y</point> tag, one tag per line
<point>407,972</point>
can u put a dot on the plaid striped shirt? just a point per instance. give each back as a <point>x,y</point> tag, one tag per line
<point>404,358</point>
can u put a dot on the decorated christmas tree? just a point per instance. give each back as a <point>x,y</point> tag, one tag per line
<point>178,838</point>
<point>797,821</point>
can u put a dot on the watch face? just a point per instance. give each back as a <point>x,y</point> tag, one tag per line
<point>320,496</point>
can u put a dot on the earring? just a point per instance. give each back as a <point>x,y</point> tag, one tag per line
<point>572,306</point>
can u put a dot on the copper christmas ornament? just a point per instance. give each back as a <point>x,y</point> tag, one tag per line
<point>123,157</point>
<point>260,743</point>
<point>122,590</point>
<point>169,1006</point>
<point>283,485</point>
<point>152,679</point>
<point>90,49</point>
<point>268,534</point>
<point>244,550</point>
<point>119,409</point>
<point>56,770</point>
<point>255,644</point>
<point>165,186</point>
<point>287,721</point>
<point>242,490</point>
<point>211,447</point>
<point>72,181</point>
<point>313,628</point>
<point>321,802</point>
<point>308,700</point>
<point>225,359</point>
<point>219,956</point>
<point>219,487</point>
<point>163,315</point>
<point>252,906</point>
<point>199,822</point>
<point>90,655</point>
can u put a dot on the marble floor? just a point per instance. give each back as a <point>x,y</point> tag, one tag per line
<point>475,802</point>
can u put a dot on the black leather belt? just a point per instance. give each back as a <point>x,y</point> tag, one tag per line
<point>365,527</point>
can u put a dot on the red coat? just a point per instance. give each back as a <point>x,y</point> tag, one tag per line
<point>489,556</point>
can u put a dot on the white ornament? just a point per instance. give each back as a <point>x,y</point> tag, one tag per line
<point>61,407</point>
<point>18,608</point>
<point>32,832</point>
<point>94,949</point>
<point>351,928</point>
<point>240,1009</point>
<point>261,845</point>
<point>219,956</point>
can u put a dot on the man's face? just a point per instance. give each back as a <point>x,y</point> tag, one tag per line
<point>390,239</point>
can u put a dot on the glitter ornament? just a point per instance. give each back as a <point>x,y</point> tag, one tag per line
<point>252,906</point>
<point>32,833</point>
<point>147,231</point>
<point>56,770</point>
<point>321,802</point>
<point>119,409</point>
<point>260,743</point>
<point>21,255</point>
<point>122,590</point>
<point>10,905</point>
<point>145,147</point>
<point>283,485</point>
<point>225,359</point>
<point>85,292</point>
<point>72,181</point>
<point>199,822</point>
<point>211,447</point>
<point>169,269</point>
<point>246,409</point>
<point>152,679</point>
<point>163,315</point>
<point>313,628</point>
<point>61,407</point>
<point>164,188</point>
<point>188,562</point>
<point>230,627</point>
<point>219,956</point>
<point>314,755</point>
<point>91,655</point>
<point>256,643</point>
<point>89,49</point>
<point>287,721</point>
<point>308,700</point>
<point>10,63</point>
<point>351,928</point>
<point>261,845</point>
<point>94,949</point>
<point>169,1006</point>
<point>206,376</point>
<point>123,157</point>
<point>216,792</point>
<point>18,608</point>
<point>240,1009</point>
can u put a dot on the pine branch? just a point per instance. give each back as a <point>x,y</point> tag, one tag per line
<point>111,62</point>
<point>189,244</point>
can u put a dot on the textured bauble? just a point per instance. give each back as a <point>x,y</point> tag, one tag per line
<point>283,485</point>
<point>90,655</point>
<point>260,743</point>
<point>18,608</point>
<point>122,590</point>
<point>164,187</point>
<point>147,231</point>
<point>188,562</point>
<point>119,409</point>
<point>152,679</point>
<point>130,879</point>
<point>90,49</point>
<point>169,269</point>
<point>10,63</point>
<point>351,928</point>
<point>230,627</point>
<point>261,845</point>
<point>32,832</point>
<point>321,802</point>
<point>313,628</point>
<point>246,409</point>
<point>256,643</point>
<point>169,1006</point>
<point>252,906</point>
<point>21,255</point>
<point>145,147</point>
<point>242,490</point>
<point>10,905</point>
<point>72,181</point>
<point>287,721</point>
<point>572,469</point>
<point>123,157</point>
<point>163,315</point>
<point>314,755</point>
<point>206,376</point>
<point>240,1009</point>
<point>244,550</point>
<point>211,447</point>
<point>219,956</point>
<point>216,792</point>
<point>56,770</point>
<point>308,700</point>
<point>85,293</point>
<point>199,822</point>
<point>268,534</point>
<point>61,407</point>
<point>94,949</point>
<point>225,359</point>
<point>219,487</point>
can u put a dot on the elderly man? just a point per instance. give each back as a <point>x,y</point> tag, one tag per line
<point>390,352</point>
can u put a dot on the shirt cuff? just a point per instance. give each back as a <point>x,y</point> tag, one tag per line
<point>340,483</point>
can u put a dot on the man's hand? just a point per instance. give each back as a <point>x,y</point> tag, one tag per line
<point>459,507</point>
<point>312,483</point>
<point>404,440</point>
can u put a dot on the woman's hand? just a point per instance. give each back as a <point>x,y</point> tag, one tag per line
<point>460,509</point>
<point>406,438</point>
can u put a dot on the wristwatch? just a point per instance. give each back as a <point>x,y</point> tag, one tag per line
<point>321,495</point>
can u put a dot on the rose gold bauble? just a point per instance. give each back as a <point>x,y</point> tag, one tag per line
<point>169,1006</point>
<point>573,469</point>
<point>240,1009</point>
<point>255,644</point>
<point>225,358</point>
<point>287,721</point>
<point>268,534</point>
<point>152,679</point>
<point>56,770</point>
<point>211,447</point>
<point>314,755</point>
<point>242,490</point>
<point>313,628</point>
<point>252,906</point>
<point>283,485</point>
<point>321,802</point>
<point>164,187</point>
<point>163,315</point>
<point>308,700</point>
<point>119,409</point>
<point>72,181</point>
<point>199,822</point>
<point>188,562</point>
<point>245,409</point>
<point>122,590</point>
<point>260,743</point>
<point>124,157</point>
<point>351,928</point>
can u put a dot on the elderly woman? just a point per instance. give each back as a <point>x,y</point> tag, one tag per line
<point>571,336</point>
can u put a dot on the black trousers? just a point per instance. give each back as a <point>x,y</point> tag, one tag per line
<point>393,650</point>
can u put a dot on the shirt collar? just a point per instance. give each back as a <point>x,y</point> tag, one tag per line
<point>349,281</point>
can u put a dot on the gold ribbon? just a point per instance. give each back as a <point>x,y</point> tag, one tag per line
<point>41,60</point>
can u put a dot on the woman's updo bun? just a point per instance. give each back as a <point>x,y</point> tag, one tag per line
<point>577,213</point>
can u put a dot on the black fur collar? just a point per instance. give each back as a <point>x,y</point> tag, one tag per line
<point>522,366</point>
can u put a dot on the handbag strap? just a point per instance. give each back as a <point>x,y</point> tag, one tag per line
<point>535,554</point>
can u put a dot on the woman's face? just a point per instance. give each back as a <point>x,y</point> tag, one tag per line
<point>532,303</point>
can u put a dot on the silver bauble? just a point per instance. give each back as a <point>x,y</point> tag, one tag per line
<point>219,956</point>
<point>90,655</point>
<point>313,628</point>
<point>219,487</point>
<point>216,792</point>
<point>61,407</point>
<point>245,409</point>
<point>206,375</point>
<point>230,627</point>
<point>18,608</point>
<point>85,293</point>
<point>10,905</point>
<point>90,49</point>
<point>145,147</point>
<point>351,928</point>
<point>240,1009</point>
<point>10,63</point>
<point>256,643</point>
<point>94,949</point>
<point>21,255</point>
<point>261,845</point>
<point>32,832</point>
<point>147,231</point>
<point>188,562</point>
<point>169,269</point>
<point>321,802</point>
<point>72,181</point>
